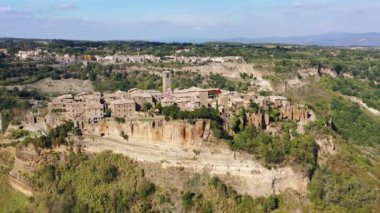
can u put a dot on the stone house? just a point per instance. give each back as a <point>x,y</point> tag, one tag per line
<point>94,112</point>
<point>141,97</point>
<point>122,108</point>
<point>193,93</point>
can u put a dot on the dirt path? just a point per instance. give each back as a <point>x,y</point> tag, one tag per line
<point>364,105</point>
<point>250,176</point>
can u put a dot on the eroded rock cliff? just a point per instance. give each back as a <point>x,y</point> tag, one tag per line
<point>159,130</point>
<point>258,120</point>
<point>183,144</point>
<point>294,113</point>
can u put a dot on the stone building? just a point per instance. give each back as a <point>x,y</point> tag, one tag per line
<point>193,94</point>
<point>189,99</point>
<point>94,112</point>
<point>233,101</point>
<point>141,97</point>
<point>122,108</point>
<point>68,107</point>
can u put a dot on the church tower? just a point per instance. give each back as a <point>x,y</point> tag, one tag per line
<point>166,81</point>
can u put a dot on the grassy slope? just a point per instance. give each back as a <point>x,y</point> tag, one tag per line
<point>354,160</point>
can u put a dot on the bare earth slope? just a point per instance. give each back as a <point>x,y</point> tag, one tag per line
<point>249,176</point>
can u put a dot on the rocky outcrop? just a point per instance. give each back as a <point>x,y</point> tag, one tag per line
<point>326,148</point>
<point>315,72</point>
<point>24,166</point>
<point>19,183</point>
<point>294,113</point>
<point>160,130</point>
<point>258,120</point>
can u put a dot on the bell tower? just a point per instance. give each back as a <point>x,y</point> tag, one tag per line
<point>166,81</point>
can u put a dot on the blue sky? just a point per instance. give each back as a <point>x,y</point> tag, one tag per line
<point>184,19</point>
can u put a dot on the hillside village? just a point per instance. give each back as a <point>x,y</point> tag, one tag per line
<point>266,123</point>
<point>67,59</point>
<point>244,106</point>
<point>88,109</point>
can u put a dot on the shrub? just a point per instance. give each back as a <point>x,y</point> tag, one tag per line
<point>271,204</point>
<point>187,200</point>
<point>19,133</point>
<point>120,120</point>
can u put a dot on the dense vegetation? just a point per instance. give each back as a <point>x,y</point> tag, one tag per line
<point>367,91</point>
<point>104,183</point>
<point>126,81</point>
<point>300,150</point>
<point>343,116</point>
<point>341,192</point>
<point>212,195</point>
<point>187,79</point>
<point>348,181</point>
<point>354,124</point>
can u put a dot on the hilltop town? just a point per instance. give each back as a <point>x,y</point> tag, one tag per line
<point>188,127</point>
<point>89,109</point>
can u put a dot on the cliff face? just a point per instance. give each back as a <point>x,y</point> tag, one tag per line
<point>315,72</point>
<point>294,113</point>
<point>258,120</point>
<point>156,130</point>
<point>172,144</point>
<point>326,148</point>
<point>25,164</point>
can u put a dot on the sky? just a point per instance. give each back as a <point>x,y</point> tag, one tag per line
<point>165,20</point>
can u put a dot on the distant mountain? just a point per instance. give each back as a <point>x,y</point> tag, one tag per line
<point>329,39</point>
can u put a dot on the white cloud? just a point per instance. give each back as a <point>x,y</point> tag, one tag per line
<point>6,10</point>
<point>64,6</point>
<point>308,6</point>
